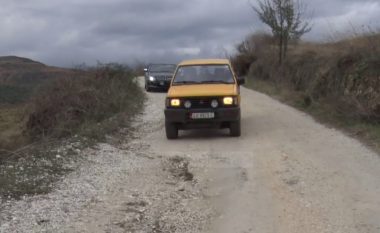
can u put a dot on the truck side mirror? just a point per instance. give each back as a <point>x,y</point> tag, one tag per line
<point>241,80</point>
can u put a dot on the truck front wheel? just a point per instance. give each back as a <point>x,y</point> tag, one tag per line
<point>235,129</point>
<point>171,130</point>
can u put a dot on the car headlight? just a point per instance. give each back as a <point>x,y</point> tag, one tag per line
<point>228,101</point>
<point>152,79</point>
<point>175,102</point>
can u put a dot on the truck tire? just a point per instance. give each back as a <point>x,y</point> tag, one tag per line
<point>171,130</point>
<point>235,129</point>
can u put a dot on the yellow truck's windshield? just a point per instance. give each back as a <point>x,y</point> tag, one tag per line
<point>203,74</point>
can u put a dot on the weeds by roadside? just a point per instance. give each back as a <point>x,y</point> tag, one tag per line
<point>65,116</point>
<point>79,104</point>
<point>34,169</point>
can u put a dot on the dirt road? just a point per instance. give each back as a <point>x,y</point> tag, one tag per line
<point>286,174</point>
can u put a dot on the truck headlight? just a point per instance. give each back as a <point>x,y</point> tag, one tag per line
<point>228,101</point>
<point>152,79</point>
<point>175,102</point>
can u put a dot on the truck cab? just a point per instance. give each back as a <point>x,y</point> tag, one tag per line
<point>203,94</point>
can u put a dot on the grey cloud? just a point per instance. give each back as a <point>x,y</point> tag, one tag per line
<point>74,31</point>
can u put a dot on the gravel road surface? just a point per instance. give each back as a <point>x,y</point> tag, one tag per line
<point>285,174</point>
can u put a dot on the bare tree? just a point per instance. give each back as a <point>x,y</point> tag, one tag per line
<point>285,18</point>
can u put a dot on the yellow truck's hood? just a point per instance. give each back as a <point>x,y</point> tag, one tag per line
<point>203,90</point>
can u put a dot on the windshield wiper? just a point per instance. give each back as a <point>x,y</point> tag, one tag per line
<point>186,82</point>
<point>217,81</point>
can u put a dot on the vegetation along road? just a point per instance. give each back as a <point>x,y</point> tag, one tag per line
<point>286,173</point>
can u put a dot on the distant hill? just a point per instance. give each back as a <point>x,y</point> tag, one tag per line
<point>22,71</point>
<point>15,59</point>
<point>19,77</point>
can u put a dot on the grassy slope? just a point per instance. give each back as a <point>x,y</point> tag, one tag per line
<point>75,105</point>
<point>11,127</point>
<point>338,83</point>
<point>19,79</point>
<point>33,132</point>
<point>37,100</point>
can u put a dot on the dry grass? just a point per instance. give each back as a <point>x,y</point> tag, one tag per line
<point>71,105</point>
<point>12,124</point>
<point>346,73</point>
<point>37,141</point>
<point>96,102</point>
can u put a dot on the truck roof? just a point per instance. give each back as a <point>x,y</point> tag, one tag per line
<point>205,62</point>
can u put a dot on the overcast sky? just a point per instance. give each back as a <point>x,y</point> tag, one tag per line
<point>66,33</point>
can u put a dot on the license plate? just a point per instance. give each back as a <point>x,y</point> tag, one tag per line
<point>202,115</point>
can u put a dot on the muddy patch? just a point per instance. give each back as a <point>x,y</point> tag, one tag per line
<point>224,181</point>
<point>134,215</point>
<point>179,167</point>
<point>291,181</point>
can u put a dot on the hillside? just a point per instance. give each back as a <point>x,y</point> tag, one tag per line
<point>19,77</point>
<point>38,101</point>
<point>337,82</point>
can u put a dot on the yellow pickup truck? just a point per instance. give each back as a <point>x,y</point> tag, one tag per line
<point>203,94</point>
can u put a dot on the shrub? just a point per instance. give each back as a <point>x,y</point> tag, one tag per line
<point>343,74</point>
<point>250,50</point>
<point>71,105</point>
<point>13,94</point>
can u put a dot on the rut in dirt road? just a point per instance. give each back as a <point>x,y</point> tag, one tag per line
<point>286,173</point>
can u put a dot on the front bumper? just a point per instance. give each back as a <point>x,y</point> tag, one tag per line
<point>223,116</point>
<point>158,84</point>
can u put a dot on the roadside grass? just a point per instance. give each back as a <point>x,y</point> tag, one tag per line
<point>322,111</point>
<point>337,82</point>
<point>12,122</point>
<point>42,140</point>
<point>79,105</point>
<point>35,168</point>
<point>14,94</point>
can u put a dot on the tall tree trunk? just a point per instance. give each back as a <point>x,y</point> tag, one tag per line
<point>286,42</point>
<point>280,48</point>
<point>282,26</point>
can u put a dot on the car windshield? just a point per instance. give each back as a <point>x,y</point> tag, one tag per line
<point>162,68</point>
<point>204,74</point>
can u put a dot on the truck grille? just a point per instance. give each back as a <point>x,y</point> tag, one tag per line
<point>203,102</point>
<point>163,78</point>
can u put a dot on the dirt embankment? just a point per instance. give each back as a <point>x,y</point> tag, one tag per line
<point>338,82</point>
